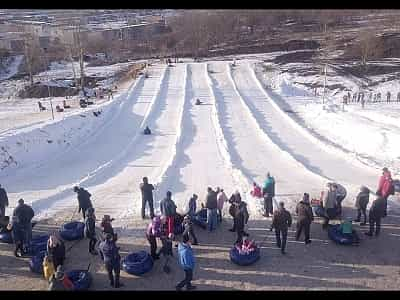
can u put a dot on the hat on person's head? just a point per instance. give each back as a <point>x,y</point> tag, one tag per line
<point>21,201</point>
<point>195,196</point>
<point>76,188</point>
<point>385,169</point>
<point>145,179</point>
<point>209,189</point>
<point>306,198</point>
<point>169,194</point>
<point>109,236</point>
<point>281,204</point>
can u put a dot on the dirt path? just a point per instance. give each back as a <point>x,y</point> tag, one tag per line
<point>321,265</point>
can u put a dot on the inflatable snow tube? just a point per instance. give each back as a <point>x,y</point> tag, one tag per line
<point>36,262</point>
<point>72,231</point>
<point>318,211</point>
<point>137,263</point>
<point>6,237</point>
<point>81,279</point>
<point>200,219</point>
<point>38,244</point>
<point>338,237</point>
<point>244,259</point>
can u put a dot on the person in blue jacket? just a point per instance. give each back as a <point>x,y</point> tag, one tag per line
<point>109,253</point>
<point>187,262</point>
<point>268,194</point>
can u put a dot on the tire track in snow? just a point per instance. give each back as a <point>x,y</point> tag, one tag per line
<point>99,174</point>
<point>248,148</point>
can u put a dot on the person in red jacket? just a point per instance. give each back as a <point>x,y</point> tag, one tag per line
<point>256,192</point>
<point>385,187</point>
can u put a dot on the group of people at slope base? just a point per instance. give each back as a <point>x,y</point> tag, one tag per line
<point>162,227</point>
<point>330,203</point>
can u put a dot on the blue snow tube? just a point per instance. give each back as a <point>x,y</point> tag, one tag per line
<point>244,259</point>
<point>137,263</point>
<point>36,262</point>
<point>81,279</point>
<point>6,237</point>
<point>38,244</point>
<point>318,211</point>
<point>200,218</point>
<point>337,236</point>
<point>72,231</point>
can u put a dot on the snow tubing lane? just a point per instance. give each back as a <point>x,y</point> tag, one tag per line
<point>6,237</point>
<point>200,219</point>
<point>244,259</point>
<point>81,279</point>
<point>72,231</point>
<point>137,263</point>
<point>36,262</point>
<point>338,237</point>
<point>318,211</point>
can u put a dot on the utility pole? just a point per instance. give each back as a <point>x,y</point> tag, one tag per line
<point>323,93</point>
<point>48,85</point>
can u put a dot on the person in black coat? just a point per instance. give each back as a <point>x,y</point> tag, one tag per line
<point>25,215</point>
<point>189,231</point>
<point>83,200</point>
<point>109,253</point>
<point>18,236</point>
<point>234,200</point>
<point>3,201</point>
<point>376,213</point>
<point>211,205</point>
<point>147,196</point>
<point>90,230</point>
<point>305,218</point>
<point>241,219</point>
<point>361,204</point>
<point>281,221</point>
<point>56,250</point>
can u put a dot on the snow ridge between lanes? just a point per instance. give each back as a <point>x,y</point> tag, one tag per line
<point>94,176</point>
<point>162,183</point>
<point>350,156</point>
<point>244,183</point>
<point>264,134</point>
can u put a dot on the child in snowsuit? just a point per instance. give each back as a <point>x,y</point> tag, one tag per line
<point>90,230</point>
<point>48,267</point>
<point>187,223</point>
<point>106,225</point>
<point>154,231</point>
<point>256,192</point>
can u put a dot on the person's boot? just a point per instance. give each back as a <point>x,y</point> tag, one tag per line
<point>283,251</point>
<point>112,283</point>
<point>232,230</point>
<point>368,233</point>
<point>308,242</point>
<point>16,253</point>
<point>357,220</point>
<point>94,252</point>
<point>363,224</point>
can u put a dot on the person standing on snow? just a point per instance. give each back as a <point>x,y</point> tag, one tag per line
<point>385,187</point>
<point>17,233</point>
<point>376,213</point>
<point>3,201</point>
<point>109,253</point>
<point>90,230</point>
<point>268,194</point>
<point>147,197</point>
<point>168,210</point>
<point>361,204</point>
<point>221,199</point>
<point>281,221</point>
<point>25,215</point>
<point>187,262</point>
<point>234,200</point>
<point>83,200</point>
<point>56,250</point>
<point>189,231</point>
<point>241,219</point>
<point>211,205</point>
<point>192,205</point>
<point>305,218</point>
<point>329,203</point>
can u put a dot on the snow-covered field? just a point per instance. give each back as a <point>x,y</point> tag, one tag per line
<point>235,138</point>
<point>240,132</point>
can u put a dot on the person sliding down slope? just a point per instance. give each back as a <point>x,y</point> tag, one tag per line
<point>147,131</point>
